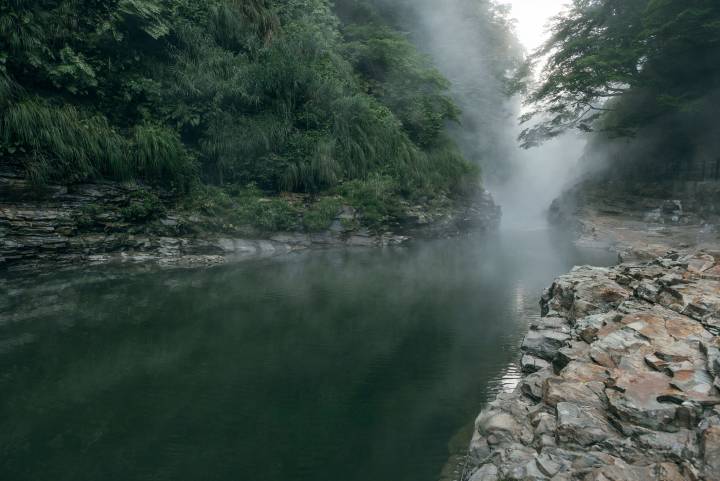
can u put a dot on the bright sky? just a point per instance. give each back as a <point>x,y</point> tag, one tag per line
<point>532,17</point>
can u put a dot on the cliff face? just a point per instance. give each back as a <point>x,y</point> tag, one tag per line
<point>621,380</point>
<point>111,222</point>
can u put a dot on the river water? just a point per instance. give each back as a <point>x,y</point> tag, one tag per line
<point>350,365</point>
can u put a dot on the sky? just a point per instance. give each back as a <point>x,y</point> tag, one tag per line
<point>532,17</point>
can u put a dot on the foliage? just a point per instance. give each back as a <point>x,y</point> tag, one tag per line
<point>142,206</point>
<point>375,198</point>
<point>320,215</point>
<point>282,94</point>
<point>617,65</point>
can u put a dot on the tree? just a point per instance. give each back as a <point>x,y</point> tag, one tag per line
<point>616,65</point>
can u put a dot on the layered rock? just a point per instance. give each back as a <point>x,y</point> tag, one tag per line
<point>67,225</point>
<point>621,383</point>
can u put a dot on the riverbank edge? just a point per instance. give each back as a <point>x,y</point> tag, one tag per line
<point>621,380</point>
<point>640,220</point>
<point>83,224</point>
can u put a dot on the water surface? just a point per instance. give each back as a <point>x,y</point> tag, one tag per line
<point>353,365</point>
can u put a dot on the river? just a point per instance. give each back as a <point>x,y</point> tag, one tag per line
<point>352,365</point>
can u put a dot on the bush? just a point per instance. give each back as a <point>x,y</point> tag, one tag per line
<point>143,206</point>
<point>270,215</point>
<point>320,215</point>
<point>376,199</point>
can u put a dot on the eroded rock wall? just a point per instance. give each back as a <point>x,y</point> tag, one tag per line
<point>621,380</point>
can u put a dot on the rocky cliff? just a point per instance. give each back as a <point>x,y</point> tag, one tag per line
<point>621,380</point>
<point>112,222</point>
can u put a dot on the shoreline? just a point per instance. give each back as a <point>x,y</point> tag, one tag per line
<point>52,230</point>
<point>621,380</point>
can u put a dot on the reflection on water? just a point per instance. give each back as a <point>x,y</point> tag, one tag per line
<point>353,365</point>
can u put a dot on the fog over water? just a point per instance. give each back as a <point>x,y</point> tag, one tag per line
<point>523,182</point>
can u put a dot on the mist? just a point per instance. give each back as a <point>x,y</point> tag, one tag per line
<point>475,45</point>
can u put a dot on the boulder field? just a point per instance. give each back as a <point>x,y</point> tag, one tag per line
<point>621,380</point>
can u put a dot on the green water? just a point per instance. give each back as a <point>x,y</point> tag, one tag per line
<point>350,365</point>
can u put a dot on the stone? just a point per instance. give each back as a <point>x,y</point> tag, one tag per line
<point>547,465</point>
<point>621,388</point>
<point>648,291</point>
<point>582,425</point>
<point>711,453</point>
<point>531,364</point>
<point>488,472</point>
<point>692,382</point>
<point>558,390</point>
<point>533,384</point>
<point>700,263</point>
<point>634,399</point>
<point>544,344</point>
<point>677,446</point>
<point>498,427</point>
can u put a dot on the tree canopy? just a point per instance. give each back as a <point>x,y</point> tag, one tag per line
<point>619,65</point>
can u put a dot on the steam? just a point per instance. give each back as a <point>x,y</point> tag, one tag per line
<point>470,51</point>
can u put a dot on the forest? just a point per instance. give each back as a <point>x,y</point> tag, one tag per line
<point>212,98</point>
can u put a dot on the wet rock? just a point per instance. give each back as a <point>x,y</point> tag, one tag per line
<point>533,385</point>
<point>531,364</point>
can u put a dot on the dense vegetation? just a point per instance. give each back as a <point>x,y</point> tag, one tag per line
<point>278,94</point>
<point>472,43</point>
<point>647,70</point>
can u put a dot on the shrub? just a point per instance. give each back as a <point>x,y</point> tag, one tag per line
<point>376,198</point>
<point>143,206</point>
<point>320,215</point>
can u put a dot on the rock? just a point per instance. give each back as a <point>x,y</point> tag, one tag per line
<point>711,453</point>
<point>547,465</point>
<point>621,380</point>
<point>582,425</point>
<point>544,344</point>
<point>677,446</point>
<point>699,263</point>
<point>531,364</point>
<point>634,399</point>
<point>587,394</point>
<point>498,427</point>
<point>487,472</point>
<point>533,384</point>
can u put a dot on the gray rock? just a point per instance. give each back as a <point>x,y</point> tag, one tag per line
<point>531,364</point>
<point>544,344</point>
<point>711,453</point>
<point>487,472</point>
<point>582,425</point>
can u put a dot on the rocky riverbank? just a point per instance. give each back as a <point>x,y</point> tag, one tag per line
<point>112,222</point>
<point>621,380</point>
<point>641,220</point>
